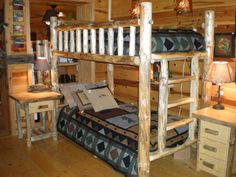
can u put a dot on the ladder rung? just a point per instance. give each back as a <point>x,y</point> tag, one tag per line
<point>156,155</point>
<point>177,80</point>
<point>179,123</point>
<point>180,80</point>
<point>181,101</point>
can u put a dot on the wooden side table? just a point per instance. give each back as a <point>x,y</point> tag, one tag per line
<point>216,140</point>
<point>32,103</point>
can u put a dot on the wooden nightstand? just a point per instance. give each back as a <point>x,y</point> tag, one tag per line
<point>32,103</point>
<point>216,140</point>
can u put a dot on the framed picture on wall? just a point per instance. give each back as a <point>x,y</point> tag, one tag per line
<point>224,45</point>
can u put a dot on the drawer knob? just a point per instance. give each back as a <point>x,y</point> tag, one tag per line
<point>43,106</point>
<point>212,132</point>
<point>210,148</point>
<point>208,164</point>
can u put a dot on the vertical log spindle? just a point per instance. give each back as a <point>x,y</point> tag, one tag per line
<point>66,47</point>
<point>120,41</point>
<point>60,41</point>
<point>72,41</point>
<point>101,42</point>
<point>93,51</point>
<point>78,41</point>
<point>110,67</point>
<point>132,41</point>
<point>85,41</point>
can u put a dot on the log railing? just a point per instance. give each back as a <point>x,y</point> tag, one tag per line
<point>82,38</point>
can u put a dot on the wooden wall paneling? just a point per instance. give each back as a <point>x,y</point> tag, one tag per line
<point>19,77</point>
<point>165,15</point>
<point>126,73</point>
<point>101,70</point>
<point>86,69</point>
<point>85,12</point>
<point>120,9</point>
<point>101,10</point>
<point>4,118</point>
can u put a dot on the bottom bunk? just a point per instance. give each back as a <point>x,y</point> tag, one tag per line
<point>112,134</point>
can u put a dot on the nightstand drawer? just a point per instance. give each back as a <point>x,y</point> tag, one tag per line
<point>213,148</point>
<point>212,165</point>
<point>215,131</point>
<point>41,106</point>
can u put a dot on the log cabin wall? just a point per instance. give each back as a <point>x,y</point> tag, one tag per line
<point>101,15</point>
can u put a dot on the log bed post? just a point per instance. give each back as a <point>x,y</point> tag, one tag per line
<point>144,89</point>
<point>110,67</point>
<point>209,43</point>
<point>54,61</point>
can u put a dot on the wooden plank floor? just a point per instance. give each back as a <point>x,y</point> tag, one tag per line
<point>64,159</point>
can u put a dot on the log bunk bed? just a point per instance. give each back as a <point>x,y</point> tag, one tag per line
<point>63,45</point>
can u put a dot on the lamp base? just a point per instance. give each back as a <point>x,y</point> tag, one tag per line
<point>218,106</point>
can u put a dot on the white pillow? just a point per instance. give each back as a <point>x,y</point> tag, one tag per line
<point>67,89</point>
<point>101,99</point>
<point>81,100</point>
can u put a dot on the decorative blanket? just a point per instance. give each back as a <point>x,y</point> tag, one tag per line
<point>166,41</point>
<point>112,135</point>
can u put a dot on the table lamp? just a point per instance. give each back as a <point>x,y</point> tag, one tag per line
<point>219,72</point>
<point>41,65</point>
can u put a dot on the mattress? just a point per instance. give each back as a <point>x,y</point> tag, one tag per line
<point>165,41</point>
<point>112,135</point>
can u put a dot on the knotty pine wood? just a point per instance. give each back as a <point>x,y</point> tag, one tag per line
<point>65,159</point>
<point>4,112</point>
<point>165,15</point>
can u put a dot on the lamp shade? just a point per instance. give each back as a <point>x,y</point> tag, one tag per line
<point>41,64</point>
<point>219,73</point>
<point>50,13</point>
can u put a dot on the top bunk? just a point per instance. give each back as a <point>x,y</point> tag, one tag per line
<point>120,42</point>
